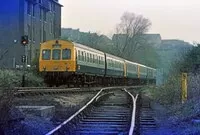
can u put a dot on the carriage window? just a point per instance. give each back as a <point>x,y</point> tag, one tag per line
<point>99,60</point>
<point>102,62</point>
<point>108,61</point>
<point>93,58</point>
<point>96,59</point>
<point>82,55</point>
<point>85,56</point>
<point>88,57</point>
<point>79,56</point>
<point>46,54</point>
<point>56,54</point>
<point>66,54</point>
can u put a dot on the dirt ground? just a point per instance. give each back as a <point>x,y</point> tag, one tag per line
<point>65,106</point>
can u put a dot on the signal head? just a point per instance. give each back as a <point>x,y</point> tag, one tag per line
<point>24,40</point>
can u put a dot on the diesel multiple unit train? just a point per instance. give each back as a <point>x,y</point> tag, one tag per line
<point>66,62</point>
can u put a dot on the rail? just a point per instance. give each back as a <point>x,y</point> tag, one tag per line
<point>35,88</point>
<point>35,92</point>
<point>56,129</point>
<point>78,112</point>
<point>134,99</point>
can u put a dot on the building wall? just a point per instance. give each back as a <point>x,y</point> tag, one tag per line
<point>44,24</point>
<point>40,21</point>
<point>10,30</point>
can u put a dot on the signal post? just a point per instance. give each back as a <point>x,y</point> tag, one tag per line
<point>24,42</point>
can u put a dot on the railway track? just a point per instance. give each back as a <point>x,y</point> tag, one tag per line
<point>147,123</point>
<point>108,112</point>
<point>40,91</point>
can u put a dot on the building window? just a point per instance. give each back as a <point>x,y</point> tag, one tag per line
<point>44,36</point>
<point>41,38</point>
<point>54,7</point>
<point>59,30</point>
<point>50,5</point>
<point>54,26</point>
<point>33,32</point>
<point>29,32</point>
<point>45,15</point>
<point>51,27</point>
<point>40,13</point>
<point>29,6</point>
<point>33,10</point>
<point>40,1</point>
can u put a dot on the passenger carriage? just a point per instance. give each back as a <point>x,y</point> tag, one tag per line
<point>66,62</point>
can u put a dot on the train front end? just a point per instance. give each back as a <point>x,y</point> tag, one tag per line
<point>57,61</point>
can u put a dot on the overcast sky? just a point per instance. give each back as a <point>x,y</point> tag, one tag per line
<point>173,19</point>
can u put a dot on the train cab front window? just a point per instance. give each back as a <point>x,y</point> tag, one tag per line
<point>56,54</point>
<point>66,54</point>
<point>46,54</point>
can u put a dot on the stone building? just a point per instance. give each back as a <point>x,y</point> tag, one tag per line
<point>39,19</point>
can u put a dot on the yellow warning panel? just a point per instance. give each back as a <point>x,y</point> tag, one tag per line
<point>184,87</point>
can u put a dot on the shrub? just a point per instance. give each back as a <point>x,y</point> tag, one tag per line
<point>13,78</point>
<point>167,94</point>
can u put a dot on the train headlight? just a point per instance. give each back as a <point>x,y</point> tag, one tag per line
<point>44,68</point>
<point>67,68</point>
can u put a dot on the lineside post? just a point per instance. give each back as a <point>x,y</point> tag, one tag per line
<point>24,42</point>
<point>184,87</point>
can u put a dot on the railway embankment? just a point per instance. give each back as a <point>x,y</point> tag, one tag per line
<point>173,116</point>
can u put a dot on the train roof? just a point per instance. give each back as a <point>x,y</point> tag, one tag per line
<point>114,57</point>
<point>139,64</point>
<point>87,48</point>
<point>131,62</point>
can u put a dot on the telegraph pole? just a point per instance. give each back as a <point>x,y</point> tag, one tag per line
<point>24,42</point>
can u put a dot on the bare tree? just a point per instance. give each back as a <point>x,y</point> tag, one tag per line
<point>129,31</point>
